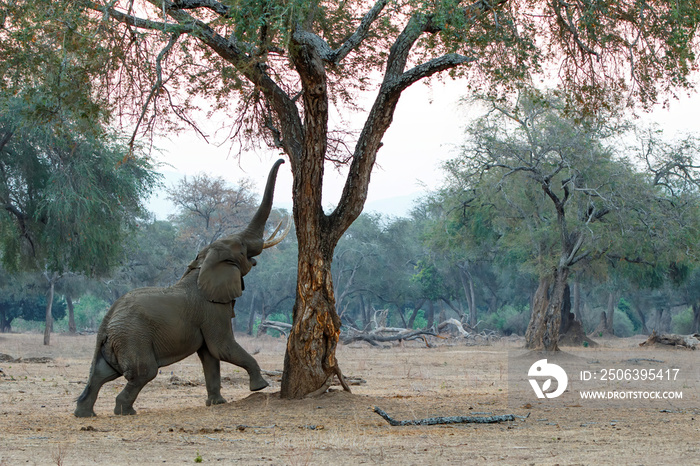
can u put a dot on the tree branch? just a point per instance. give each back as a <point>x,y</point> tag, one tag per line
<point>395,81</point>
<point>142,23</point>
<point>156,86</point>
<point>448,420</point>
<point>360,33</point>
<point>431,67</point>
<point>230,51</point>
<point>216,7</point>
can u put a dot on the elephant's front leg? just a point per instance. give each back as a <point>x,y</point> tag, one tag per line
<point>235,354</point>
<point>212,376</point>
<point>218,338</point>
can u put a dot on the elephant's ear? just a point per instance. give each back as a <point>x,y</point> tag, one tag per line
<point>220,279</point>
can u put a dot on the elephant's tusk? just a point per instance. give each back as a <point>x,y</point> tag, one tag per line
<point>272,241</point>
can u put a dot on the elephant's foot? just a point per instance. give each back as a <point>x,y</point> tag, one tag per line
<point>120,410</point>
<point>258,383</point>
<point>215,400</point>
<point>84,412</point>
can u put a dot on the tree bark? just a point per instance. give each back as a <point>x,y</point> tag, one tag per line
<point>567,317</point>
<point>543,330</point>
<point>637,306</point>
<point>310,357</point>
<point>695,328</point>
<point>468,286</point>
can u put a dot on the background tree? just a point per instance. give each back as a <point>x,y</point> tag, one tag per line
<point>156,256</point>
<point>69,197</point>
<point>560,194</point>
<point>292,64</point>
<point>208,208</point>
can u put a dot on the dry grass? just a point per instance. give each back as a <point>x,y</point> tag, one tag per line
<point>173,425</point>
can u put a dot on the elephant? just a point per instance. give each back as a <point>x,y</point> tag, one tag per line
<point>149,328</point>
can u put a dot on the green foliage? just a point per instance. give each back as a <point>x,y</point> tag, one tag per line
<point>88,312</point>
<point>507,320</point>
<point>623,325</point>
<point>682,322</point>
<point>420,320</point>
<point>624,307</point>
<point>430,281</point>
<point>70,199</point>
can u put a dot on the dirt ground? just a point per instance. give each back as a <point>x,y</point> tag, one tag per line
<point>411,381</point>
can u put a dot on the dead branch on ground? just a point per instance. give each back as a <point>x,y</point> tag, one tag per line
<point>431,421</point>
<point>470,337</point>
<point>386,334</point>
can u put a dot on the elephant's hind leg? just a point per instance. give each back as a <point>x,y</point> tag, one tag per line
<point>100,374</point>
<point>212,376</point>
<point>137,376</point>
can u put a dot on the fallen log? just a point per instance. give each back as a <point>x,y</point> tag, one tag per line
<point>683,341</point>
<point>456,324</point>
<point>377,336</point>
<point>282,327</point>
<point>431,421</point>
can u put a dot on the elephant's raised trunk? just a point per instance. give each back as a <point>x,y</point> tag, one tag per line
<point>256,228</point>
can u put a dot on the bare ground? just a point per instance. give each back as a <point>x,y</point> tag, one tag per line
<point>173,425</point>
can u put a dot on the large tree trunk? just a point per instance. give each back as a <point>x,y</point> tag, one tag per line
<point>567,317</point>
<point>430,317</point>
<point>468,286</point>
<point>543,330</point>
<point>310,357</point>
<point>263,314</point>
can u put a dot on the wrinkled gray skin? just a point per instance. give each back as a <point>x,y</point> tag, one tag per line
<point>150,328</point>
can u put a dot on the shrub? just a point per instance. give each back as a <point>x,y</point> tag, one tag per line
<point>682,322</point>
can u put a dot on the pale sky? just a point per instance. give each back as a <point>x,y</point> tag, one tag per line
<point>427,130</point>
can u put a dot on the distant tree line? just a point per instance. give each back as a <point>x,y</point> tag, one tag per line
<point>532,192</point>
